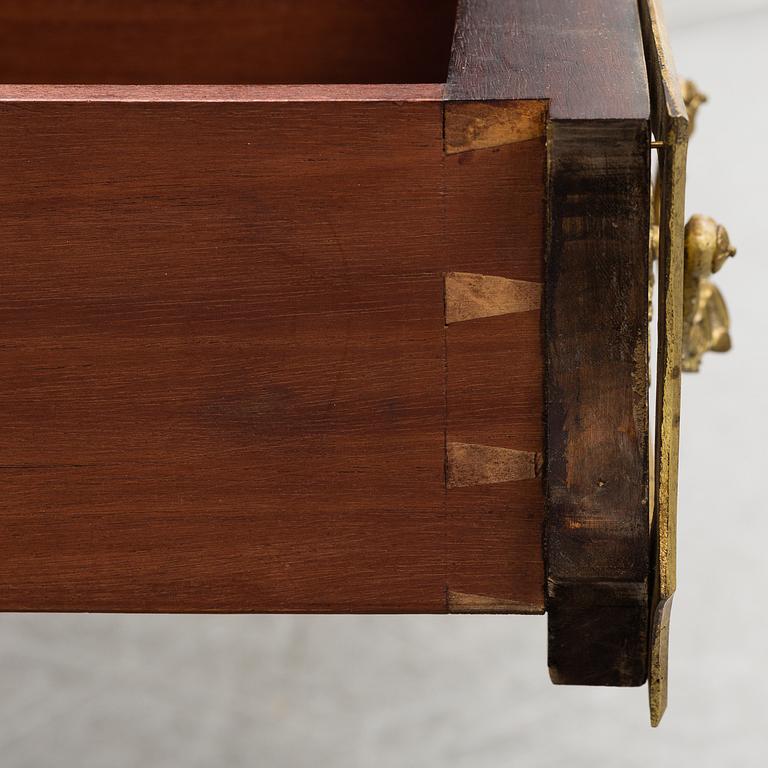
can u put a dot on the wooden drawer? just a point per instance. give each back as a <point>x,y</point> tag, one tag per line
<point>274,341</point>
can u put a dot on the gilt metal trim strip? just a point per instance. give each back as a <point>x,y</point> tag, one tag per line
<point>670,126</point>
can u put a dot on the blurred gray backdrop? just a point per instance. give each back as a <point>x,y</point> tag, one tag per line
<point>469,692</point>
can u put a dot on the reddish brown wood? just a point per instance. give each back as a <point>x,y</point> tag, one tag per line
<point>223,355</point>
<point>494,373</point>
<point>153,94</point>
<point>495,398</point>
<point>225,41</point>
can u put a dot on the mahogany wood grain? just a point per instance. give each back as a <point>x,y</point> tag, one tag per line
<point>223,356</point>
<point>225,41</point>
<point>494,374</point>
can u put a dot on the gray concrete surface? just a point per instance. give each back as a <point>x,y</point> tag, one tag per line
<point>465,692</point>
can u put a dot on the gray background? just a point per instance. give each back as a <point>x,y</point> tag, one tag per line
<point>120,691</point>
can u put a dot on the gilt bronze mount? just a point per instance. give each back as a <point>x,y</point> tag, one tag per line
<point>692,319</point>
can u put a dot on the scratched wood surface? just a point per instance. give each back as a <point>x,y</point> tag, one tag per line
<point>223,356</point>
<point>225,41</point>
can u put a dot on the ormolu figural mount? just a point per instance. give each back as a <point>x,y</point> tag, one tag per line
<point>706,323</point>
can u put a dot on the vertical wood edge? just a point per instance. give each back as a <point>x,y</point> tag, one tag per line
<point>596,402</point>
<point>477,472</point>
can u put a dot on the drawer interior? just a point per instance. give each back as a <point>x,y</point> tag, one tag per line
<point>225,41</point>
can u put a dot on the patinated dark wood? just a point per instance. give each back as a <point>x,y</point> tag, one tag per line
<point>597,415</point>
<point>224,355</point>
<point>587,59</point>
